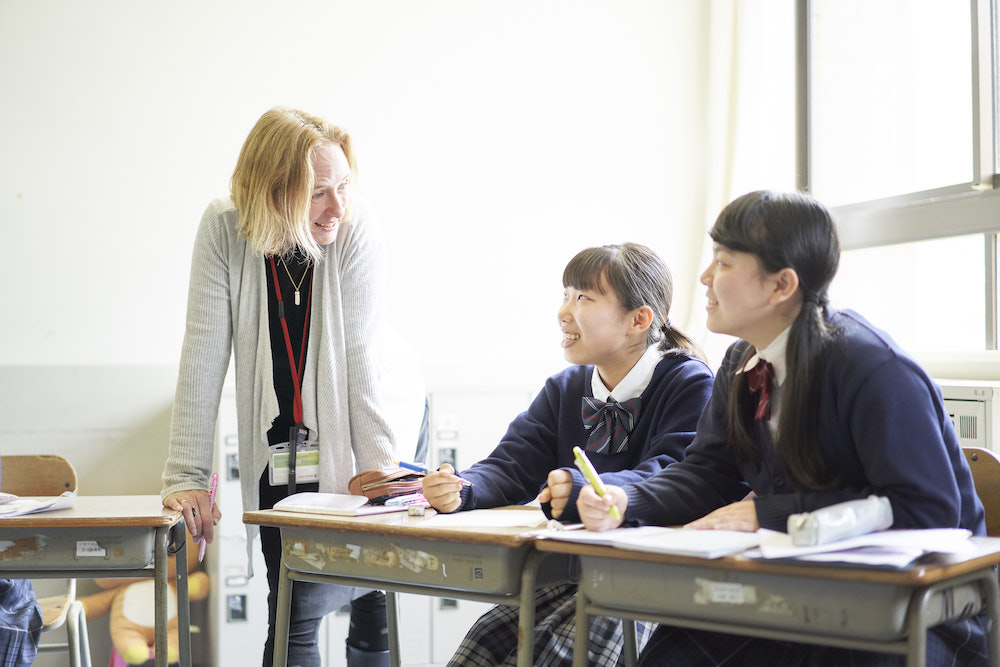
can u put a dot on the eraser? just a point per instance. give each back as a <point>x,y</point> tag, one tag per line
<point>415,510</point>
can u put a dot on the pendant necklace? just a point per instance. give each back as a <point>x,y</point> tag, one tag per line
<point>301,280</point>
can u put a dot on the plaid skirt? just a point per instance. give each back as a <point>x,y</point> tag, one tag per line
<point>961,644</point>
<point>492,640</point>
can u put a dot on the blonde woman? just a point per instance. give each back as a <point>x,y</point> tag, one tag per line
<point>286,275</point>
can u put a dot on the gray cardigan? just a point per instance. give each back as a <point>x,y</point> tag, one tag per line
<point>341,393</point>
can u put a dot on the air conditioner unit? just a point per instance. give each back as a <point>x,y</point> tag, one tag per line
<point>974,407</point>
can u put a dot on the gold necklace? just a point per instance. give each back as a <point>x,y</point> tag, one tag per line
<point>292,280</point>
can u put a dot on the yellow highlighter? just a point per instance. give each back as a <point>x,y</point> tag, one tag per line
<point>587,468</point>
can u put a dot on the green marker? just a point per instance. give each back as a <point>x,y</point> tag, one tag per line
<point>587,468</point>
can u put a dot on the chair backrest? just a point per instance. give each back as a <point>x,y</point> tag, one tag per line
<point>35,475</point>
<point>985,467</point>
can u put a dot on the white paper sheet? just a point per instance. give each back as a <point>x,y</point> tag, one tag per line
<point>494,518</point>
<point>22,506</point>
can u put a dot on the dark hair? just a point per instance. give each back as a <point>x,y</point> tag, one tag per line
<point>790,230</point>
<point>638,277</point>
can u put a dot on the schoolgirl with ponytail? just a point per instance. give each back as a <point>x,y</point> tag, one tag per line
<point>631,398</point>
<point>813,406</point>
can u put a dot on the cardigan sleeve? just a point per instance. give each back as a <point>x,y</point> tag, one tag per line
<point>204,359</point>
<point>708,477</point>
<point>362,279</point>
<point>681,398</point>
<point>516,470</point>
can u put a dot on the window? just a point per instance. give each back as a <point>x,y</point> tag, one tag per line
<point>898,133</point>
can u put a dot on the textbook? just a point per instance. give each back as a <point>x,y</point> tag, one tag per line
<point>342,504</point>
<point>658,539</point>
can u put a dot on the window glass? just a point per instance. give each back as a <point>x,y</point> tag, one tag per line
<point>891,97</point>
<point>928,295</point>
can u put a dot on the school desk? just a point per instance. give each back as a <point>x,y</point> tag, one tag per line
<point>400,553</point>
<point>877,609</point>
<point>104,536</point>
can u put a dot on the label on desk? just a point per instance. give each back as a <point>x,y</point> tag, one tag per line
<point>723,592</point>
<point>91,548</point>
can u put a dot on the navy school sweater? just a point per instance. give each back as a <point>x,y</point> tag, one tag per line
<point>542,438</point>
<point>883,429</point>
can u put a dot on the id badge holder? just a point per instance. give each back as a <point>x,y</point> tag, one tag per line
<point>306,463</point>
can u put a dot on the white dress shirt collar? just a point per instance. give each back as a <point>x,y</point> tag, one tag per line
<point>634,382</point>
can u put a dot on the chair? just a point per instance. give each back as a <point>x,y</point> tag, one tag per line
<point>985,467</point>
<point>32,475</point>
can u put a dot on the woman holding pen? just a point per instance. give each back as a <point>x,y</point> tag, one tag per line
<point>632,399</point>
<point>286,276</point>
<point>814,406</point>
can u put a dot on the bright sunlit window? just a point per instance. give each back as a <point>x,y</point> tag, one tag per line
<point>891,97</point>
<point>928,295</point>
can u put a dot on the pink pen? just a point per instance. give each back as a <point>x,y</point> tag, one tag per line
<point>211,512</point>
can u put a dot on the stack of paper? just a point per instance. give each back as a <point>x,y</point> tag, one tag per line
<point>11,505</point>
<point>657,539</point>
<point>887,548</point>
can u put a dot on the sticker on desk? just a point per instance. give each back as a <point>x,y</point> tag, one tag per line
<point>415,560</point>
<point>23,547</point>
<point>90,549</point>
<point>723,592</point>
<point>380,556</point>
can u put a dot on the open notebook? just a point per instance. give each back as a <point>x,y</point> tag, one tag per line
<point>342,504</point>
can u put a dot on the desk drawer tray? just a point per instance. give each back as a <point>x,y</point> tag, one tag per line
<point>75,548</point>
<point>836,608</point>
<point>450,565</point>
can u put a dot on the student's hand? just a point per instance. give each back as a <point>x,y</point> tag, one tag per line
<point>594,510</point>
<point>195,506</point>
<point>442,489</point>
<point>556,493</point>
<point>737,516</point>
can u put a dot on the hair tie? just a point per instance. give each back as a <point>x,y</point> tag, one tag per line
<point>814,298</point>
<point>665,327</point>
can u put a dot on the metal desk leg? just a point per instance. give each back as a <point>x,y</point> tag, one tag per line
<point>392,625</point>
<point>183,604</point>
<point>160,594</point>
<point>526,615</point>
<point>630,649</point>
<point>281,617</point>
<point>582,625</point>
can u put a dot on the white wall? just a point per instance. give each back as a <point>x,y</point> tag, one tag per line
<point>496,138</point>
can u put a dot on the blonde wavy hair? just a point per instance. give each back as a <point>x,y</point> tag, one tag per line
<point>273,181</point>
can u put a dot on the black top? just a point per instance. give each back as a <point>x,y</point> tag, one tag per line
<point>295,318</point>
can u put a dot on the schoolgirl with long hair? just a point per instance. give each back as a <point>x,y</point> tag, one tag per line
<point>813,406</point>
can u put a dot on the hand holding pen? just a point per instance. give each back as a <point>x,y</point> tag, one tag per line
<point>442,487</point>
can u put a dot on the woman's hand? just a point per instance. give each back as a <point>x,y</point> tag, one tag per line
<point>556,493</point>
<point>594,510</point>
<point>442,489</point>
<point>195,506</point>
<point>741,515</point>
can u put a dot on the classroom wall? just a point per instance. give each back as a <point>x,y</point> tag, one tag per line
<point>495,140</point>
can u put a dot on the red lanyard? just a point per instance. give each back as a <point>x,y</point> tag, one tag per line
<point>295,368</point>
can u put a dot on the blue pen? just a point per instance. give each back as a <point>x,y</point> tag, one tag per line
<point>416,467</point>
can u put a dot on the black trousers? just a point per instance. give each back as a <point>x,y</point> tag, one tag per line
<point>311,601</point>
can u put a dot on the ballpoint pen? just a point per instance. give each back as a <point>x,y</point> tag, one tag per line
<point>587,468</point>
<point>416,467</point>
<point>211,513</point>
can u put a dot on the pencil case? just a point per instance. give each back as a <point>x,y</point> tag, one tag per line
<point>380,484</point>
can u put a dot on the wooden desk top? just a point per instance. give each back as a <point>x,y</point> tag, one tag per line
<point>99,511</point>
<point>398,524</point>
<point>986,554</point>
